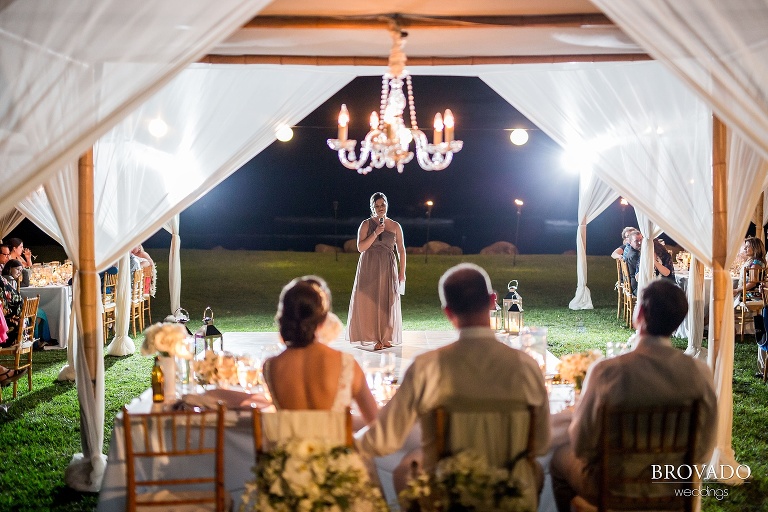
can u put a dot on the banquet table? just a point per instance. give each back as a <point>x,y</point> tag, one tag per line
<point>56,301</point>
<point>681,277</point>
<point>239,455</point>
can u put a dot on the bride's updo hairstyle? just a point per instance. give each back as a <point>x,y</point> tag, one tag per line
<point>304,305</point>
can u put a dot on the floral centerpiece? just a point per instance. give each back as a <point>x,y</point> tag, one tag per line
<point>216,369</point>
<point>464,481</point>
<point>166,339</point>
<point>573,367</point>
<point>310,475</point>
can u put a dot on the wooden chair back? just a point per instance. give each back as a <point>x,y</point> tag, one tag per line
<point>273,427</point>
<point>191,445</point>
<point>18,356</point>
<point>752,300</point>
<point>450,419</point>
<point>629,299</point>
<point>147,272</point>
<point>137,301</point>
<point>666,434</point>
<point>109,303</point>
<point>619,289</point>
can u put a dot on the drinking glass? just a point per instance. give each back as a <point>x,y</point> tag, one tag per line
<point>248,371</point>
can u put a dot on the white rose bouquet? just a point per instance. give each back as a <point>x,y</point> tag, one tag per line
<point>311,475</point>
<point>573,367</point>
<point>166,339</point>
<point>464,481</point>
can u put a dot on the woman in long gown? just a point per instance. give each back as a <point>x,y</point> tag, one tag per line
<point>309,374</point>
<point>374,308</point>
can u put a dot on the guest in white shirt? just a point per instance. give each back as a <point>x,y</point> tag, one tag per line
<point>654,373</point>
<point>474,366</point>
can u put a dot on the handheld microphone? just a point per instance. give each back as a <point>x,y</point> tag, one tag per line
<point>381,223</point>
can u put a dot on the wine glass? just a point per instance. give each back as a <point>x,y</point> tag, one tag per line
<point>248,370</point>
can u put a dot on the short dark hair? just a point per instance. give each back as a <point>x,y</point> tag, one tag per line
<point>304,304</point>
<point>12,263</point>
<point>6,246</point>
<point>464,289</point>
<point>664,307</point>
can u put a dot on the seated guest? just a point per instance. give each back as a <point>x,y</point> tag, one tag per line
<point>631,255</point>
<point>24,256</point>
<point>654,373</point>
<point>751,255</point>
<point>12,303</point>
<point>145,260</point>
<point>11,298</point>
<point>5,254</point>
<point>662,261</point>
<point>309,374</point>
<point>619,252</point>
<point>475,366</point>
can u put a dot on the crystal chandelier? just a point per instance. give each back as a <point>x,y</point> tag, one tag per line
<point>388,141</point>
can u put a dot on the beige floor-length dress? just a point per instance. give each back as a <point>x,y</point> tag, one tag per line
<point>374,308</point>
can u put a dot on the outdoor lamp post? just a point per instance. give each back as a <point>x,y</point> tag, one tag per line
<point>519,203</point>
<point>208,332</point>
<point>429,204</point>
<point>512,307</point>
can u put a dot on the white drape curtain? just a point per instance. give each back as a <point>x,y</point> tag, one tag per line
<point>718,48</point>
<point>9,221</point>
<point>695,292</point>
<point>594,197</point>
<point>645,133</point>
<point>122,344</point>
<point>174,263</point>
<point>71,70</point>
<point>218,117</point>
<point>650,231</point>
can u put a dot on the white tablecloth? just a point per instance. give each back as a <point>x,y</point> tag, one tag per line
<point>681,278</point>
<point>56,301</point>
<point>239,456</point>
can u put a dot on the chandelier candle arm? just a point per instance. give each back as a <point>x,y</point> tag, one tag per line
<point>389,139</point>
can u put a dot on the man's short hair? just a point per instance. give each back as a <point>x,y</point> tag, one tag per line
<point>465,289</point>
<point>664,307</point>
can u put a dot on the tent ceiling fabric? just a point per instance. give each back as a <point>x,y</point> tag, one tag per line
<point>70,70</point>
<point>435,29</point>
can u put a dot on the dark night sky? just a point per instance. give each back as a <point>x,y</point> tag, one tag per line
<point>283,198</point>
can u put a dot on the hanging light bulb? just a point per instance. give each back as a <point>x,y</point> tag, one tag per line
<point>157,127</point>
<point>518,137</point>
<point>284,133</point>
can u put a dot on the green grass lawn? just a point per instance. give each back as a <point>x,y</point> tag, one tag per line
<point>41,432</point>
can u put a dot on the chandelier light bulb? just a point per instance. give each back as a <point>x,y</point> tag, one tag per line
<point>158,128</point>
<point>284,133</point>
<point>438,135</point>
<point>518,137</point>
<point>374,122</point>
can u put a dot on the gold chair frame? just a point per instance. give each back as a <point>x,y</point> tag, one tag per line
<point>180,435</point>
<point>109,304</point>
<point>137,301</point>
<point>749,275</point>
<point>19,355</point>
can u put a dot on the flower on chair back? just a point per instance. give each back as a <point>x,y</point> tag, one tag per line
<point>166,339</point>
<point>309,475</point>
<point>463,481</point>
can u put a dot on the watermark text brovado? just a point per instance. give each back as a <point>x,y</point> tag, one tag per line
<point>684,473</point>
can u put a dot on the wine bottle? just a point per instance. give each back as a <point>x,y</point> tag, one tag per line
<point>158,382</point>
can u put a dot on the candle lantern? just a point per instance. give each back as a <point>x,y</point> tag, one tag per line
<point>208,332</point>
<point>496,317</point>
<point>512,307</point>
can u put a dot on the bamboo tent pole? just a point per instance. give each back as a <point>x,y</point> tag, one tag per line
<point>720,286</point>
<point>87,274</point>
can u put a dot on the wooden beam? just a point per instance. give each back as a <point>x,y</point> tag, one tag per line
<point>322,60</point>
<point>758,218</point>
<point>87,268</point>
<point>405,21</point>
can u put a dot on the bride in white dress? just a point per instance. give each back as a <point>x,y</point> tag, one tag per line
<point>309,374</point>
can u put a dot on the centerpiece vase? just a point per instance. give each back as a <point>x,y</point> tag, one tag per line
<point>168,364</point>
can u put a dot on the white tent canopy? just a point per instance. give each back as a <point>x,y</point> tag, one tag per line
<point>81,67</point>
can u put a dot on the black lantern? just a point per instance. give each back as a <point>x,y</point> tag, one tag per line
<point>512,305</point>
<point>208,332</point>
